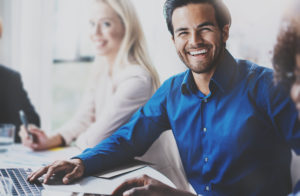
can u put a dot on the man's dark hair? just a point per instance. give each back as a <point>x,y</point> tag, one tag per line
<point>287,46</point>
<point>284,56</point>
<point>222,13</point>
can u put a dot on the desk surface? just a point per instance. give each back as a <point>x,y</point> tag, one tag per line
<point>20,156</point>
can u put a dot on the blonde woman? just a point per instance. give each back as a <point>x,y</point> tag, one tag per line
<point>123,79</point>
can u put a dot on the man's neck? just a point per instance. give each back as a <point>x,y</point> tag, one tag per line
<point>202,80</point>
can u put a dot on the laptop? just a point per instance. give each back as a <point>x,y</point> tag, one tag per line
<point>21,187</point>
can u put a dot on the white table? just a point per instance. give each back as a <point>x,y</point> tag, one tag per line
<point>20,156</point>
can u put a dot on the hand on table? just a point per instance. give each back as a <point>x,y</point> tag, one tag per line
<point>147,186</point>
<point>73,169</point>
<point>40,140</point>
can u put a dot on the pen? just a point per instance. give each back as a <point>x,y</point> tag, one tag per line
<point>24,121</point>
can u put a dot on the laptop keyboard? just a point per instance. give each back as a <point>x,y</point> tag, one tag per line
<point>20,184</point>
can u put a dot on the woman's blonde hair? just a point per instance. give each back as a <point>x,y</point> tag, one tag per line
<point>0,28</point>
<point>133,47</point>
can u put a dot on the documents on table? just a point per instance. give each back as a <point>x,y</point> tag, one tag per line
<point>121,170</point>
<point>21,156</point>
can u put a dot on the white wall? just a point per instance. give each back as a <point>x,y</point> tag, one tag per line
<point>252,35</point>
<point>254,28</point>
<point>5,41</point>
<point>27,40</point>
<point>158,38</point>
<point>27,47</point>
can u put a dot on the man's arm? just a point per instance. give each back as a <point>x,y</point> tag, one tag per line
<point>132,139</point>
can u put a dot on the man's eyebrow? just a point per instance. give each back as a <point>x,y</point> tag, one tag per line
<point>181,29</point>
<point>206,24</point>
<point>199,26</point>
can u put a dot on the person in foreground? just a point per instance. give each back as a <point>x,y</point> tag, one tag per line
<point>14,98</point>
<point>234,128</point>
<point>286,56</point>
<point>123,79</point>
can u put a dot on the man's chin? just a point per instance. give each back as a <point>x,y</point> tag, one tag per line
<point>201,70</point>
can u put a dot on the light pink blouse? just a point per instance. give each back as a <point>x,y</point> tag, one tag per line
<point>108,104</point>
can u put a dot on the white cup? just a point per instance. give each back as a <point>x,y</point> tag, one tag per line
<point>5,186</point>
<point>7,135</point>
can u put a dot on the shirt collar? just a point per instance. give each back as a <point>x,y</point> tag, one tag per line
<point>225,71</point>
<point>222,77</point>
<point>188,83</point>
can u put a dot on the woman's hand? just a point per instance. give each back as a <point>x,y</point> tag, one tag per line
<point>39,141</point>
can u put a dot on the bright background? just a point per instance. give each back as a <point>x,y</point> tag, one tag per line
<point>48,42</point>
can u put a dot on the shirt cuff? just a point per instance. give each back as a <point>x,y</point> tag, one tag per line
<point>66,138</point>
<point>91,161</point>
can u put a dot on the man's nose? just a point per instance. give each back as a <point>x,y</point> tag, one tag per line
<point>196,38</point>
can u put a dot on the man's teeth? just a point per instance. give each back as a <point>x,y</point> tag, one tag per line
<point>193,53</point>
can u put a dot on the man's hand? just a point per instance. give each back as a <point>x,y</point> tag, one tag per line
<point>147,186</point>
<point>73,169</point>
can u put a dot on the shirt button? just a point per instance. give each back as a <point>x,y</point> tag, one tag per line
<point>205,100</point>
<point>207,188</point>
<point>204,129</point>
<point>206,159</point>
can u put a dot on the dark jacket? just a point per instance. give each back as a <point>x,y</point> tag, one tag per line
<point>13,98</point>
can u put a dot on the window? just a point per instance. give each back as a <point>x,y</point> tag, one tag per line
<point>72,58</point>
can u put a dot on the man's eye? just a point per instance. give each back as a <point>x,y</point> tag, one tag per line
<point>182,33</point>
<point>206,29</point>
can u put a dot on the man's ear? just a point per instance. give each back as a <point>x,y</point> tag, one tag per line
<point>173,39</point>
<point>225,33</point>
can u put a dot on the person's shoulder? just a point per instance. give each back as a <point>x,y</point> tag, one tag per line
<point>5,69</point>
<point>10,80</point>
<point>7,72</point>
<point>253,69</point>
<point>260,81</point>
<point>177,78</point>
<point>174,82</point>
<point>254,73</point>
<point>135,71</point>
<point>170,87</point>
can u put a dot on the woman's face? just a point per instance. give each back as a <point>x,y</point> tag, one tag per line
<point>107,30</point>
<point>0,28</point>
<point>295,91</point>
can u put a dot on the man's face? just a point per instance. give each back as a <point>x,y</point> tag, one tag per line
<point>197,37</point>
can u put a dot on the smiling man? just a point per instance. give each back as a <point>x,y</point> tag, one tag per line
<point>234,128</point>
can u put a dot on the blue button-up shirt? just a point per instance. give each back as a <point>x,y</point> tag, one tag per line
<point>234,141</point>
